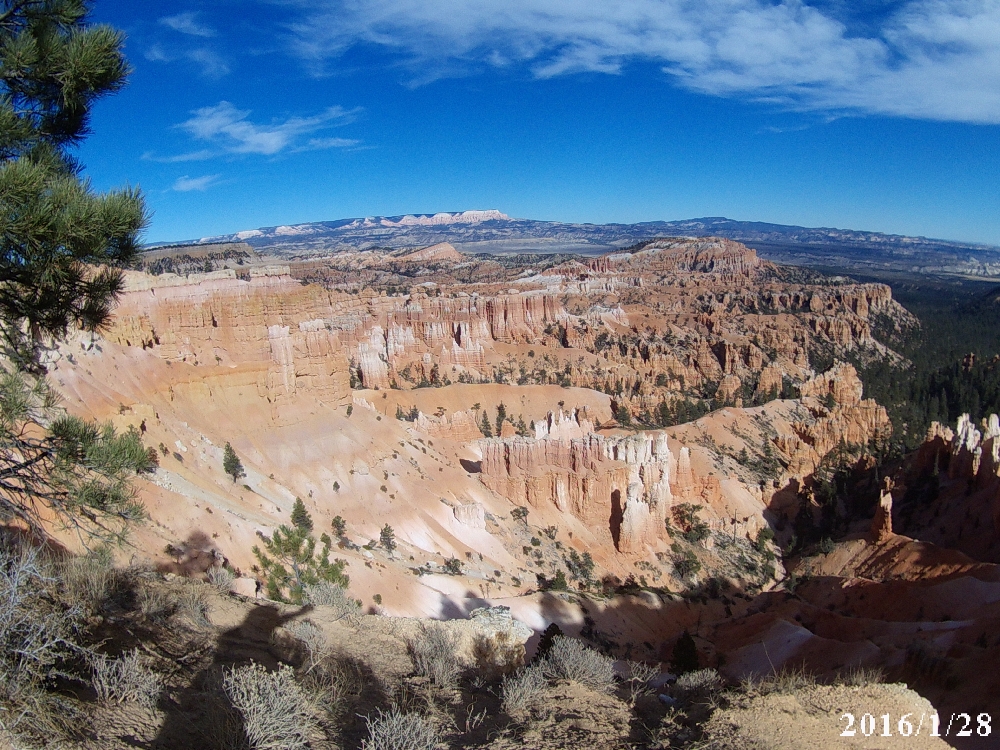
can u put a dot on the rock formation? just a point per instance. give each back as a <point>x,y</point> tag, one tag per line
<point>958,472</point>
<point>881,529</point>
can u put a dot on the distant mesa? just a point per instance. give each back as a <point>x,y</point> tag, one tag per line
<point>463,217</point>
<point>491,231</point>
<point>441,219</point>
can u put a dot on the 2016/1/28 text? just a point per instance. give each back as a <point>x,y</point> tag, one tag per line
<point>909,725</point>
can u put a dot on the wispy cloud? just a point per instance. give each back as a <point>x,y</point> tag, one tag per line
<point>320,144</point>
<point>187,184</point>
<point>934,59</point>
<point>187,23</point>
<point>231,130</point>
<point>200,155</point>
<point>210,63</point>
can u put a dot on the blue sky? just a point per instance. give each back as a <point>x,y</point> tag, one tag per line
<point>249,113</point>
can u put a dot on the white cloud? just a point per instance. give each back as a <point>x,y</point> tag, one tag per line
<point>187,184</point>
<point>156,53</point>
<point>320,144</point>
<point>230,128</point>
<point>187,23</point>
<point>200,155</point>
<point>212,65</point>
<point>935,59</point>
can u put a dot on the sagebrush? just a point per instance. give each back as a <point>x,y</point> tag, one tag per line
<point>571,660</point>
<point>522,690</point>
<point>394,730</point>
<point>125,680</point>
<point>277,713</point>
<point>433,654</point>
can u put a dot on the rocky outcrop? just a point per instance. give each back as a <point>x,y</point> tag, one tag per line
<point>841,381</point>
<point>711,255</point>
<point>851,420</point>
<point>266,316</point>
<point>953,488</point>
<point>620,484</point>
<point>460,425</point>
<point>564,425</point>
<point>881,529</point>
<point>443,252</point>
<point>472,515</point>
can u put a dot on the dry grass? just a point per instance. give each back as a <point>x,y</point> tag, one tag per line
<point>394,730</point>
<point>639,676</point>
<point>86,582</point>
<point>37,636</point>
<point>700,681</point>
<point>336,683</point>
<point>155,604</point>
<point>125,680</point>
<point>861,676</point>
<point>192,604</point>
<point>571,660</point>
<point>277,713</point>
<point>326,594</point>
<point>433,654</point>
<point>94,585</point>
<point>313,641</point>
<point>523,690</point>
<point>185,602</point>
<point>221,579</point>
<point>788,680</point>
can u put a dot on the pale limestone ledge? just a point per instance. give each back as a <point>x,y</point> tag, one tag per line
<point>138,281</point>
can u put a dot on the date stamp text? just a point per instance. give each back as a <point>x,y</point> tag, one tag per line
<point>911,725</point>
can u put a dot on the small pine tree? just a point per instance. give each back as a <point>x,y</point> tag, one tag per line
<point>623,416</point>
<point>558,582</point>
<point>685,656</point>
<point>300,516</point>
<point>484,425</point>
<point>290,561</point>
<point>339,526</point>
<point>231,463</point>
<point>501,417</point>
<point>387,538</point>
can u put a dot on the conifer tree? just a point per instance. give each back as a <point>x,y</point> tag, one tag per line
<point>75,473</point>
<point>300,516</point>
<point>231,463</point>
<point>501,417</point>
<point>339,526</point>
<point>63,245</point>
<point>484,425</point>
<point>387,538</point>
<point>290,561</point>
<point>62,248</point>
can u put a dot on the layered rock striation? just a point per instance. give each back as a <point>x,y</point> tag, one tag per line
<point>624,484</point>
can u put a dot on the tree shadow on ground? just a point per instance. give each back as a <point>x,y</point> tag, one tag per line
<point>193,714</point>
